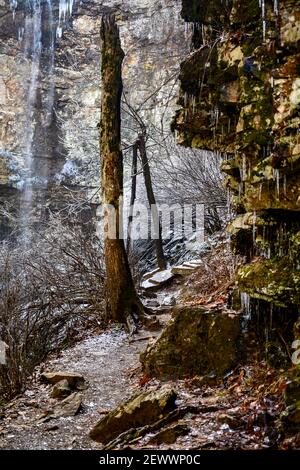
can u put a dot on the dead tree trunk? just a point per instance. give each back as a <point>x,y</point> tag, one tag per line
<point>122,302</point>
<point>161,262</point>
<point>133,194</point>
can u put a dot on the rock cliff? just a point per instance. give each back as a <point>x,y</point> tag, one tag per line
<point>50,90</point>
<point>240,95</point>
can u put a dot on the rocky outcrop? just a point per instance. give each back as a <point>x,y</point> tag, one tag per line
<point>143,409</point>
<point>196,342</point>
<point>240,97</point>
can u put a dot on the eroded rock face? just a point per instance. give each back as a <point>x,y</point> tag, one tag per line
<point>196,342</point>
<point>141,410</point>
<point>58,125</point>
<point>240,96</point>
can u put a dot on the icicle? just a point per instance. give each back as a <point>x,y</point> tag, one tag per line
<point>254,228</point>
<point>271,316</point>
<point>276,7</point>
<point>244,168</point>
<point>21,31</point>
<point>284,185</point>
<point>13,6</point>
<point>65,12</point>
<point>186,29</point>
<point>260,191</point>
<point>185,99</point>
<point>263,14</point>
<point>246,309</point>
<point>276,177</point>
<point>193,103</point>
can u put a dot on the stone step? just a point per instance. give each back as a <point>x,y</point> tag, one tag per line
<point>182,270</point>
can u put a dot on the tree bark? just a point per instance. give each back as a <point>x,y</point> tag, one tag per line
<point>122,303</point>
<point>161,262</point>
<point>133,194</point>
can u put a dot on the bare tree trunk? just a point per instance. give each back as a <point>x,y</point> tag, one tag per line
<point>161,262</point>
<point>133,194</point>
<point>122,302</point>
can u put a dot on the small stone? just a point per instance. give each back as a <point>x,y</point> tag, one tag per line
<point>200,381</point>
<point>54,427</point>
<point>229,420</point>
<point>70,406</point>
<point>61,389</point>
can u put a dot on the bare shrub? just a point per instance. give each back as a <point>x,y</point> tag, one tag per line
<point>50,288</point>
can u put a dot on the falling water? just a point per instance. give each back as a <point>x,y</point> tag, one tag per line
<point>33,49</point>
<point>49,101</point>
<point>38,42</point>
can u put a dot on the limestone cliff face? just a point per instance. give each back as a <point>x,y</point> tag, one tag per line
<point>240,95</point>
<point>50,88</point>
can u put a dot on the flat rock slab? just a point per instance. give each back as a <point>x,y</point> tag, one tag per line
<point>140,410</point>
<point>150,274</point>
<point>158,280</point>
<point>182,270</point>
<point>75,381</point>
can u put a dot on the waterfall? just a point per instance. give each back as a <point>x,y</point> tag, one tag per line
<point>49,101</point>
<point>33,49</point>
<point>37,28</point>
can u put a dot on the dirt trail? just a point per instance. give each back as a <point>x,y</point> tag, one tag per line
<point>106,362</point>
<point>239,412</point>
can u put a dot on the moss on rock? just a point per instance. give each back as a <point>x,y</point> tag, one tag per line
<point>196,342</point>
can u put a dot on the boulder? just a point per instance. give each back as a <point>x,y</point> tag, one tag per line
<point>142,409</point>
<point>197,341</point>
<point>75,381</point>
